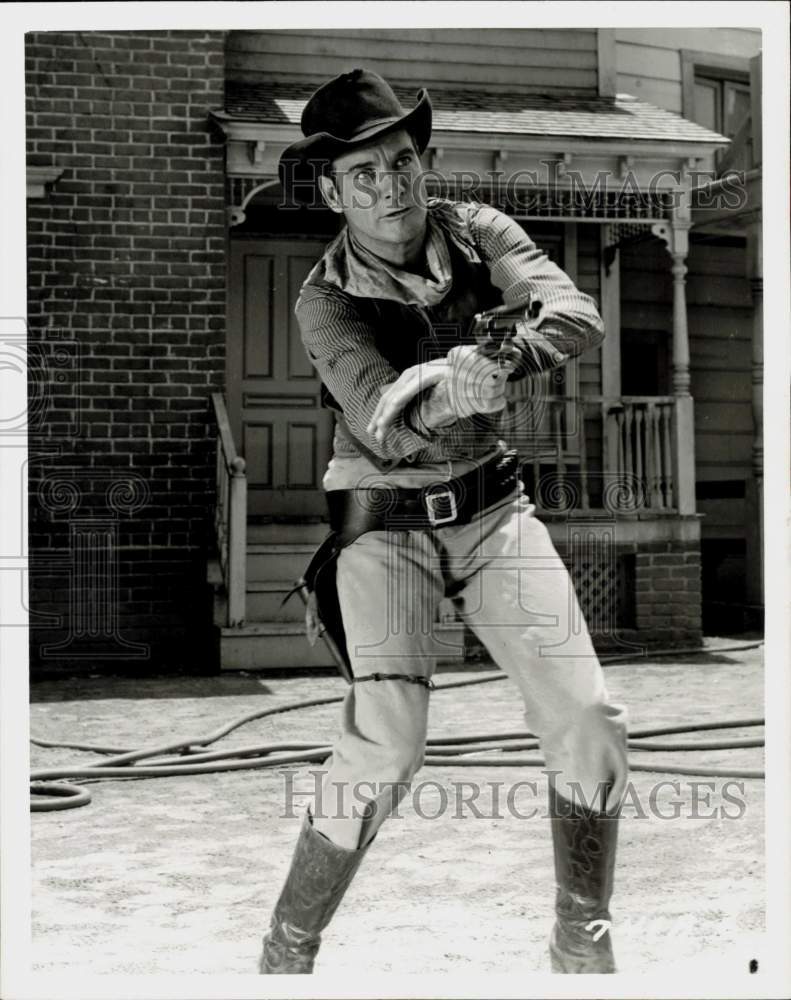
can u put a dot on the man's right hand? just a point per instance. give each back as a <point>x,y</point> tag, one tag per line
<point>465,382</point>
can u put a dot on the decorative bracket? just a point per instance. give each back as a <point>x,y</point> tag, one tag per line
<point>255,151</point>
<point>235,215</point>
<point>625,165</point>
<point>674,235</point>
<point>690,166</point>
<point>563,164</point>
<point>238,192</point>
<point>500,158</point>
<point>618,234</point>
<point>662,232</point>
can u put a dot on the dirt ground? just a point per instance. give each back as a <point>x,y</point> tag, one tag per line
<point>178,875</point>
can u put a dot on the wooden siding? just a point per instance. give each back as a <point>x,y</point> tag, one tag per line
<point>588,281</point>
<point>720,330</point>
<point>589,365</point>
<point>585,272</point>
<point>563,60</point>
<point>649,59</point>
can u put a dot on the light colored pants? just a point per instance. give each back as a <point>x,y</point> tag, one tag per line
<point>512,589</point>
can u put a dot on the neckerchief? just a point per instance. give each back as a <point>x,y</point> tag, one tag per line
<point>356,270</point>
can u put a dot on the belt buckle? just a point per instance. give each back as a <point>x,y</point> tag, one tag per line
<point>431,498</point>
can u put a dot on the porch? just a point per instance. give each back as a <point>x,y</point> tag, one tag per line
<point>612,472</point>
<point>610,478</point>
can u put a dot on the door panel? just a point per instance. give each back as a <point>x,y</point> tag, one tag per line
<point>273,393</point>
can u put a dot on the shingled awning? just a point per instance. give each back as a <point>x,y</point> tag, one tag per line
<point>621,117</point>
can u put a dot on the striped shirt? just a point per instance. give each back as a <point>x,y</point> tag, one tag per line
<point>340,342</point>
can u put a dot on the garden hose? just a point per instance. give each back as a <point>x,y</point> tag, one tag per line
<point>191,756</point>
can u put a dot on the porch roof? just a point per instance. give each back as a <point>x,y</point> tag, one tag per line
<point>589,117</point>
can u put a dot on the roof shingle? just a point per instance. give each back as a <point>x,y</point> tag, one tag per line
<point>622,117</point>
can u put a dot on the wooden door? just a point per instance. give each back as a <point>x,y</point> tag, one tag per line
<point>272,389</point>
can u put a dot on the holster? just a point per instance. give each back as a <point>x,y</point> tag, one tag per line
<point>354,512</point>
<point>318,589</point>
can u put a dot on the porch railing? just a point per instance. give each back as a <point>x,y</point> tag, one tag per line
<point>230,514</point>
<point>598,452</point>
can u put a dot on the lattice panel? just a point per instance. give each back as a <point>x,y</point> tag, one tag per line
<point>593,566</point>
<point>596,585</point>
<point>626,232</point>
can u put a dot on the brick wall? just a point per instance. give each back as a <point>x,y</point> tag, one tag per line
<point>667,598</point>
<point>643,596</point>
<point>654,596</point>
<point>645,591</point>
<point>126,306</point>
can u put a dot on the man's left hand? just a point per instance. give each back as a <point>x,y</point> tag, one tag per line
<point>472,383</point>
<point>397,395</point>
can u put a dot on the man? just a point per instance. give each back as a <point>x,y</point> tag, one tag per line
<point>424,503</point>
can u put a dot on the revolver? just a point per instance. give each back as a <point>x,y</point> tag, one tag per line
<point>495,329</point>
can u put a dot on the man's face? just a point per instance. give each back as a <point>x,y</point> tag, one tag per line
<point>380,191</point>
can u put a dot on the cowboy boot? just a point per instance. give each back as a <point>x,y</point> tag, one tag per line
<point>584,844</point>
<point>319,875</point>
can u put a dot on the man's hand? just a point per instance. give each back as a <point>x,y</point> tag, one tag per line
<point>469,383</point>
<point>397,395</point>
<point>477,383</point>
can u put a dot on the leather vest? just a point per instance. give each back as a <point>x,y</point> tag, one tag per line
<point>408,335</point>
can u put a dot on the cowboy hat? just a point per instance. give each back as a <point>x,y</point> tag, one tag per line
<point>348,111</point>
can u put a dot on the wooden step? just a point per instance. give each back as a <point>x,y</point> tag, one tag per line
<point>291,531</point>
<point>286,561</point>
<point>273,637</point>
<point>264,603</point>
<point>264,598</point>
<point>262,646</point>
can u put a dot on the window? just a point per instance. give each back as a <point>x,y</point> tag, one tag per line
<point>716,94</point>
<point>721,105</point>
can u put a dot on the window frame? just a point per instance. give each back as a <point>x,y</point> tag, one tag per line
<point>715,67</point>
<point>695,63</point>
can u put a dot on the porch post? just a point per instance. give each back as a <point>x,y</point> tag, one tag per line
<point>676,237</point>
<point>679,250</point>
<point>755,493</point>
<point>610,290</point>
<point>610,284</point>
